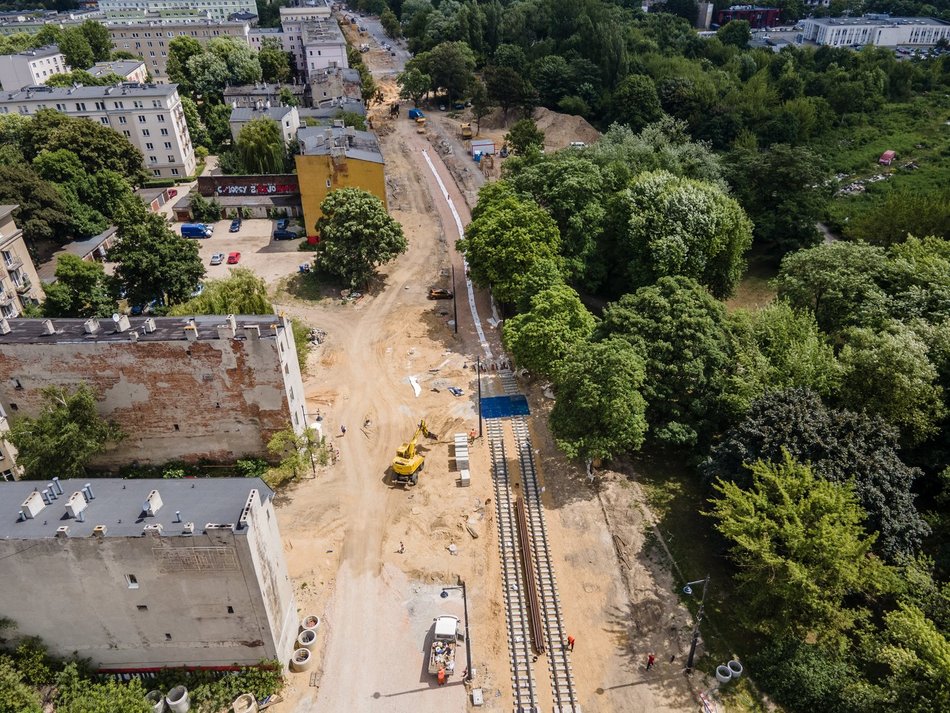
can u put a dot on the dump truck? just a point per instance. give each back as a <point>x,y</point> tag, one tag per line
<point>465,131</point>
<point>408,463</point>
<point>445,638</point>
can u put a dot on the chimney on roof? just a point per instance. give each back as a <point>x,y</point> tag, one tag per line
<point>48,327</point>
<point>149,325</point>
<point>153,503</point>
<point>4,326</point>
<point>121,322</point>
<point>191,332</point>
<point>32,506</point>
<point>76,504</point>
<point>99,531</point>
<point>62,531</point>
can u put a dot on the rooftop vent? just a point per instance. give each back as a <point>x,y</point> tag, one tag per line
<point>48,327</point>
<point>91,325</point>
<point>154,530</point>
<point>76,504</point>
<point>121,322</point>
<point>189,528</point>
<point>62,531</point>
<point>252,331</point>
<point>149,325</point>
<point>153,503</point>
<point>32,505</point>
<point>219,526</point>
<point>99,531</point>
<point>191,332</point>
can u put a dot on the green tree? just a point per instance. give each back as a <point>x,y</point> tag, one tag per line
<point>889,374</point>
<point>799,547</point>
<point>287,97</point>
<point>839,282</point>
<point>681,332</point>
<point>75,46</point>
<point>260,146</point>
<point>451,66</point>
<point>196,128</point>
<point>917,657</point>
<point>100,42</point>
<point>243,65</point>
<point>17,695</point>
<point>506,237</point>
<point>785,190</point>
<point>525,137</point>
<point>209,75</point>
<point>413,84</point>
<point>918,212</point>
<point>505,86</point>
<point>67,432</point>
<point>356,236</point>
<point>275,63</point>
<point>241,293</point>
<point>77,695</point>
<point>635,102</point>
<point>481,103</point>
<point>81,290</point>
<point>153,262</point>
<point>205,210</point>
<point>298,452</point>
<point>555,325</point>
<point>218,120</point>
<point>840,446</point>
<point>180,51</point>
<point>390,23</point>
<point>736,33</point>
<point>679,226</point>
<point>599,411</point>
<point>42,213</point>
<point>81,76</point>
<point>551,76</point>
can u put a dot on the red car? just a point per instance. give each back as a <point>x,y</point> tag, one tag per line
<point>234,258</point>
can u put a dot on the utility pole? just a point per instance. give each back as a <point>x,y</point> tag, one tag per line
<point>478,380</point>
<point>699,618</point>
<point>455,308</point>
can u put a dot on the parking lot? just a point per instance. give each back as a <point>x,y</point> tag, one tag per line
<point>267,258</point>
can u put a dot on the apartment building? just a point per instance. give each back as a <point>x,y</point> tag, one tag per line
<point>137,575</point>
<point>311,35</point>
<point>212,389</point>
<point>149,39</point>
<point>148,115</point>
<point>215,9</point>
<point>19,282</point>
<point>249,95</point>
<point>131,70</point>
<point>31,67</point>
<point>875,30</point>
<point>286,118</point>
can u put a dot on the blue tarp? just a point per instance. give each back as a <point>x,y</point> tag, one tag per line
<point>504,406</point>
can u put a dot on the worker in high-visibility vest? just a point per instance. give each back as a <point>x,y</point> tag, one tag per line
<point>442,676</point>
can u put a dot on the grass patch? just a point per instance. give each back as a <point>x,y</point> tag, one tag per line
<point>677,499</point>
<point>754,290</point>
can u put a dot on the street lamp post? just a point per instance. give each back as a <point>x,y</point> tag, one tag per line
<point>455,309</point>
<point>468,639</point>
<point>688,589</point>
<point>478,381</point>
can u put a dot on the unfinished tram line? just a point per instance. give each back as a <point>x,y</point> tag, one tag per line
<point>539,602</point>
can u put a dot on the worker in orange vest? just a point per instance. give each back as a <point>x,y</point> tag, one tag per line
<point>441,676</point>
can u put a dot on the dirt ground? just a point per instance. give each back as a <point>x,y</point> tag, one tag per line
<point>344,530</point>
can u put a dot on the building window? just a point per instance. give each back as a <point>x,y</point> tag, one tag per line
<point>14,407</point>
<point>128,134</point>
<point>122,120</point>
<point>156,172</point>
<point>168,144</point>
<point>329,183</point>
<point>80,106</point>
<point>144,132</point>
<point>174,171</point>
<point>161,118</point>
<point>171,159</point>
<point>141,119</point>
<point>142,607</point>
<point>132,581</point>
<point>104,120</point>
<point>176,427</point>
<point>230,610</point>
<point>168,637</point>
<point>149,146</point>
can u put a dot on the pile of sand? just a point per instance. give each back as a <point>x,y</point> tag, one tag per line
<point>561,129</point>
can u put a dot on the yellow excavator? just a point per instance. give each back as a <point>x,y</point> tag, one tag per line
<point>408,463</point>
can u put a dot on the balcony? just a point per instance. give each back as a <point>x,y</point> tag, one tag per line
<point>6,298</point>
<point>13,262</point>
<point>24,285</point>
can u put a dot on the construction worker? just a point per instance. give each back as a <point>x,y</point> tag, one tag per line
<point>570,642</point>
<point>442,676</point>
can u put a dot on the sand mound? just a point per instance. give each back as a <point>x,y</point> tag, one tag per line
<point>561,129</point>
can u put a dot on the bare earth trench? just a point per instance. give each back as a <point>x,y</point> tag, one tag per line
<point>342,530</point>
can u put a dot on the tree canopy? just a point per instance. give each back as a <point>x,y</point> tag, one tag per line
<point>81,290</point>
<point>260,146</point>
<point>356,236</point>
<point>65,435</point>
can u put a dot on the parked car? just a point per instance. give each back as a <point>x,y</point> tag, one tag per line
<point>217,258</point>
<point>438,293</point>
<point>196,230</point>
<point>172,192</point>
<point>234,258</point>
<point>283,234</point>
<point>198,290</point>
<point>283,223</point>
<point>235,225</point>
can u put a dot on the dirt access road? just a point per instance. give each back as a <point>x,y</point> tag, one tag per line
<point>344,530</point>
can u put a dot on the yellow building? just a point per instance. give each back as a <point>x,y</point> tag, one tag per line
<point>336,157</point>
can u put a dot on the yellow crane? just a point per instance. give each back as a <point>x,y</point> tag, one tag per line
<point>408,463</point>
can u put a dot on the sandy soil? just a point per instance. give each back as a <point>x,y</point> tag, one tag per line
<point>343,530</point>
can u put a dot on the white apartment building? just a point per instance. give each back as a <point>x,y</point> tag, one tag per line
<point>19,282</point>
<point>131,70</point>
<point>311,36</point>
<point>148,115</point>
<point>216,9</point>
<point>31,67</point>
<point>875,30</point>
<point>149,40</point>
<point>137,575</point>
<point>286,118</point>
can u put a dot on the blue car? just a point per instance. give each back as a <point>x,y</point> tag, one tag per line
<point>235,225</point>
<point>283,223</point>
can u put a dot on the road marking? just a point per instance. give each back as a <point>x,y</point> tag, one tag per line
<point>461,232</point>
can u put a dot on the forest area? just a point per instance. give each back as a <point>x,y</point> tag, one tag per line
<point>811,432</point>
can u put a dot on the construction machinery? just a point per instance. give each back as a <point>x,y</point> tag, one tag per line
<point>408,463</point>
<point>465,131</point>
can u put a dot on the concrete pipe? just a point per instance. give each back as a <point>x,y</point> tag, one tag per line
<point>310,623</point>
<point>723,674</point>
<point>245,703</point>
<point>735,668</point>
<point>178,700</point>
<point>307,639</point>
<point>302,660</point>
<point>156,699</point>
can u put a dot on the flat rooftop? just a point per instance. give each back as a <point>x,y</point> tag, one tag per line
<point>122,67</point>
<point>118,504</point>
<point>44,93</point>
<point>876,21</point>
<point>166,329</point>
<point>325,141</point>
<point>275,113</point>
